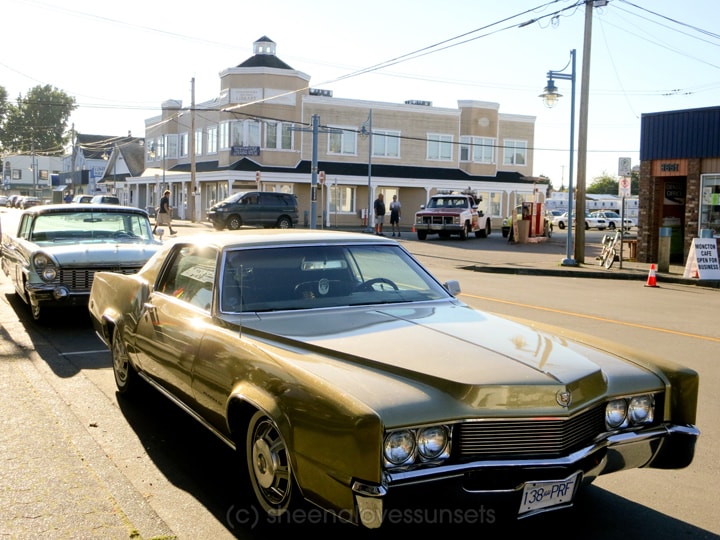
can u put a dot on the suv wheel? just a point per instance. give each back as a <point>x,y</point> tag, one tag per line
<point>234,222</point>
<point>284,223</point>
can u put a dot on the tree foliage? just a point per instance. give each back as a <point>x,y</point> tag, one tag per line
<point>37,122</point>
<point>609,185</point>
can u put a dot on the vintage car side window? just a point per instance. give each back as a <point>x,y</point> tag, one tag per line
<point>191,276</point>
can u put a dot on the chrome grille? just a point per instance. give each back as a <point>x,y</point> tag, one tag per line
<point>536,437</point>
<point>80,279</point>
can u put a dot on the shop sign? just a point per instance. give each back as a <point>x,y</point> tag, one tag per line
<point>675,167</point>
<point>702,262</point>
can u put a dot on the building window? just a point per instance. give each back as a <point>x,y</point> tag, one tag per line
<point>278,188</point>
<point>246,133</point>
<point>342,141</point>
<point>477,149</point>
<point>386,143</point>
<point>439,147</point>
<point>212,139</point>
<point>515,152</point>
<point>17,174</point>
<point>278,135</point>
<point>184,145</point>
<point>171,141</point>
<point>198,142</point>
<point>224,136</point>
<point>342,200</point>
<point>710,203</point>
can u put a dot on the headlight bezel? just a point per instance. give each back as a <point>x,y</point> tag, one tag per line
<point>416,445</point>
<point>630,412</point>
<point>45,266</point>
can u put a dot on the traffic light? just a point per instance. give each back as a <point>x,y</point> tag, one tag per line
<point>257,177</point>
<point>321,178</point>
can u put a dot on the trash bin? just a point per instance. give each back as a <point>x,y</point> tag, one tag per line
<point>664,249</point>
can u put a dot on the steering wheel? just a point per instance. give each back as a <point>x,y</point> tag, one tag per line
<point>122,234</point>
<point>370,283</point>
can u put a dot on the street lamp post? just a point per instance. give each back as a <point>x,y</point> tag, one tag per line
<point>550,96</point>
<point>366,130</point>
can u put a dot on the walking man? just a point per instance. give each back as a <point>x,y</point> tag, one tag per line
<point>395,215</point>
<point>164,213</point>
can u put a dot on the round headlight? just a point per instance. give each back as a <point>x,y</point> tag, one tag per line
<point>641,410</point>
<point>48,274</point>
<point>615,413</point>
<point>399,447</point>
<point>431,441</point>
<point>40,260</point>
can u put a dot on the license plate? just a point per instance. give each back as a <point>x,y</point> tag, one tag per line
<point>537,495</point>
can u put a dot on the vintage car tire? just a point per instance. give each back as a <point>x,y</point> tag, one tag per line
<point>126,378</point>
<point>234,222</point>
<point>284,222</point>
<point>268,466</point>
<point>36,312</point>
<point>422,235</point>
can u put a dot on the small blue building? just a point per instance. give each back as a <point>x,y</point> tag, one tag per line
<point>679,179</point>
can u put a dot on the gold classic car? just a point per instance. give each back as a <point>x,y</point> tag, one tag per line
<point>345,375</point>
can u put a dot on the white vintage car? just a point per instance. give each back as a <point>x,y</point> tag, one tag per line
<point>614,219</point>
<point>57,249</point>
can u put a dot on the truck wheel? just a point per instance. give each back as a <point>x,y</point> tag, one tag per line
<point>464,233</point>
<point>422,235</point>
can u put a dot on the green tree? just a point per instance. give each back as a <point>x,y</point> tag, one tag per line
<point>605,184</point>
<point>37,122</point>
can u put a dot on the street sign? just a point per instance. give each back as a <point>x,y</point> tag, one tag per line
<point>624,164</point>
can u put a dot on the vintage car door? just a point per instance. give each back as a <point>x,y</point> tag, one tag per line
<point>174,318</point>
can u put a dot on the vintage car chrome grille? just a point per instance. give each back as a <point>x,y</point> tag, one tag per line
<point>536,437</point>
<point>80,279</point>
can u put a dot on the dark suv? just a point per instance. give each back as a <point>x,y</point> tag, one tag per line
<point>255,208</point>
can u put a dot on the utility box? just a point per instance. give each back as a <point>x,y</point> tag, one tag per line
<point>664,249</point>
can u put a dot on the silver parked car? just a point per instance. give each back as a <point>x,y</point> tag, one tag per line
<point>57,249</point>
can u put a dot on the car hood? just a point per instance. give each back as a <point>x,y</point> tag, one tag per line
<point>101,254</point>
<point>475,357</point>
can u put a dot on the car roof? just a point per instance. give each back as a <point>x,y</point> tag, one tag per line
<point>83,207</point>
<point>269,237</point>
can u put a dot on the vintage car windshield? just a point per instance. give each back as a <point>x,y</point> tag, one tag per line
<point>282,278</point>
<point>90,227</point>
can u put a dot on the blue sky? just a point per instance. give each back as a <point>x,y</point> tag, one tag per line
<point>122,60</point>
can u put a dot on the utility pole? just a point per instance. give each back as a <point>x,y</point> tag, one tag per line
<point>582,137</point>
<point>193,186</point>
<point>315,130</point>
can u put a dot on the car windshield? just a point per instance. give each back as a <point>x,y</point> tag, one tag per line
<point>309,277</point>
<point>448,202</point>
<point>90,227</point>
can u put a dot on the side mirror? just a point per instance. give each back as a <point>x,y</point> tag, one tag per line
<point>452,286</point>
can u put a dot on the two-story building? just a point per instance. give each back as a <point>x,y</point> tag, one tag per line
<point>268,127</point>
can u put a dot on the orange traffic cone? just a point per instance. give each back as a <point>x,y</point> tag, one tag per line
<point>651,280</point>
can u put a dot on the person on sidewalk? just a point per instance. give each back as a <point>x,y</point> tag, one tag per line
<point>163,216</point>
<point>395,210</point>
<point>379,208</point>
